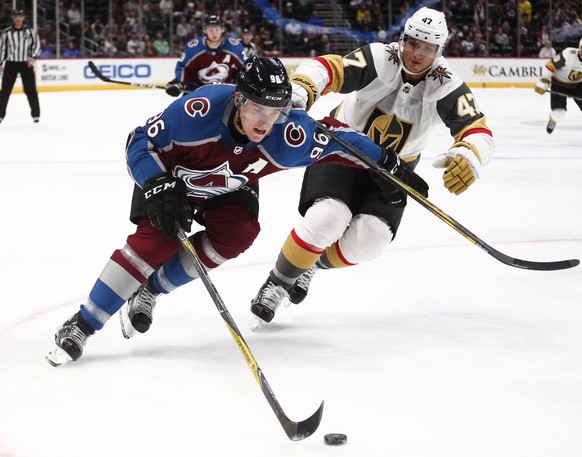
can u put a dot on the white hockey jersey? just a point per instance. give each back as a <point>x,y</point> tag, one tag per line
<point>565,67</point>
<point>390,111</point>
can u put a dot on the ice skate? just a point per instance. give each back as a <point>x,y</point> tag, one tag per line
<point>265,304</point>
<point>298,291</point>
<point>137,314</point>
<point>551,125</point>
<point>70,339</point>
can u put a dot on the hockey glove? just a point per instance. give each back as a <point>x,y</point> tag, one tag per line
<point>462,168</point>
<point>174,88</point>
<point>542,86</point>
<point>167,203</point>
<point>299,97</point>
<point>401,170</point>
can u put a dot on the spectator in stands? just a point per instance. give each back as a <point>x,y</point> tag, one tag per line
<point>46,52</point>
<point>148,47</point>
<point>525,10</point>
<point>315,19</point>
<point>97,29</point>
<point>184,29</point>
<point>166,8</point>
<point>107,46</point>
<point>71,52</point>
<point>268,45</point>
<point>293,33</point>
<point>74,19</point>
<point>547,52</point>
<point>161,45</point>
<point>135,45</point>
<point>480,46</point>
<point>502,41</point>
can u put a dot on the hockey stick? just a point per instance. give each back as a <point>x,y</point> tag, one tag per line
<point>511,261</point>
<point>573,97</point>
<point>104,78</point>
<point>295,430</point>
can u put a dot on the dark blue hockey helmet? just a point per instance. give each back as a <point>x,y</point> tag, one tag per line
<point>264,81</point>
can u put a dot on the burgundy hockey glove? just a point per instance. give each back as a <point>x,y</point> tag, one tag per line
<point>401,170</point>
<point>167,203</point>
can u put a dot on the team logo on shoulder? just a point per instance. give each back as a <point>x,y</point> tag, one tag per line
<point>197,107</point>
<point>192,44</point>
<point>234,41</point>
<point>294,136</point>
<point>393,54</point>
<point>439,73</point>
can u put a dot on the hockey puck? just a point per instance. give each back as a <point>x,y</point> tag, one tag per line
<point>335,439</point>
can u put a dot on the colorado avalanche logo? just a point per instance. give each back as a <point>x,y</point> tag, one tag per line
<point>210,183</point>
<point>439,73</point>
<point>215,73</point>
<point>294,136</point>
<point>197,107</point>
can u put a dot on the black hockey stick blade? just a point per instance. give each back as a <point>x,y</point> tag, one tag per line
<point>104,78</point>
<point>503,258</point>
<point>295,430</point>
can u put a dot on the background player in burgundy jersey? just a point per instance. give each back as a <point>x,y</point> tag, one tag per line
<point>208,60</point>
<point>201,159</point>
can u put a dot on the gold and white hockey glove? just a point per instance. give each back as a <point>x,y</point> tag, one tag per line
<point>462,168</point>
<point>542,86</point>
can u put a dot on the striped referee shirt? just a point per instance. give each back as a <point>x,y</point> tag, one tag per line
<point>18,45</point>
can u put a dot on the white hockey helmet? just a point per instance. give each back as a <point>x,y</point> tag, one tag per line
<point>427,25</point>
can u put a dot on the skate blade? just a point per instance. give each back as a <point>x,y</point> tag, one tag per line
<point>127,329</point>
<point>256,323</point>
<point>57,357</point>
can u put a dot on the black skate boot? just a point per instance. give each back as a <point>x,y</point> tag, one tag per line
<point>551,125</point>
<point>137,314</point>
<point>70,339</point>
<point>269,298</point>
<point>298,291</point>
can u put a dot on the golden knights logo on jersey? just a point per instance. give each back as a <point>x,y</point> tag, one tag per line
<point>439,73</point>
<point>387,130</point>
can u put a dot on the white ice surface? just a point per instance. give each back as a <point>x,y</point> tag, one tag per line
<point>433,350</point>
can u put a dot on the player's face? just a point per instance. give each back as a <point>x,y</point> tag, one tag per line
<point>418,56</point>
<point>213,33</point>
<point>257,120</point>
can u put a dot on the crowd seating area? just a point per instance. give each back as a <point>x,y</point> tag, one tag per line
<point>150,28</point>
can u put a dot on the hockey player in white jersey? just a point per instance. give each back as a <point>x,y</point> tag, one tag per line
<point>396,94</point>
<point>564,74</point>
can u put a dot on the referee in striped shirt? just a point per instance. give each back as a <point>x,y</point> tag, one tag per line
<point>19,46</point>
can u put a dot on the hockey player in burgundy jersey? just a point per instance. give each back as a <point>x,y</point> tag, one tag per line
<point>201,159</point>
<point>395,93</point>
<point>564,74</point>
<point>209,60</point>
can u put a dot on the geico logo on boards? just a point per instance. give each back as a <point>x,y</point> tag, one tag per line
<point>121,71</point>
